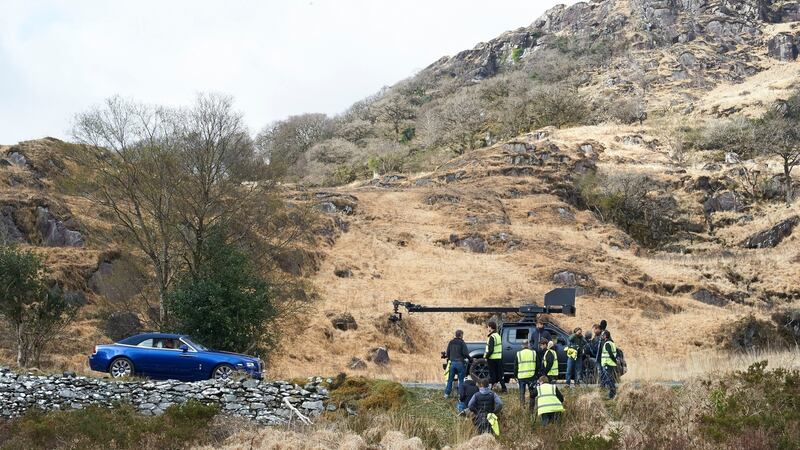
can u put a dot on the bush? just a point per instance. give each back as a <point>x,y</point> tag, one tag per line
<point>226,304</point>
<point>755,409</point>
<point>121,427</point>
<point>37,314</point>
<point>635,203</point>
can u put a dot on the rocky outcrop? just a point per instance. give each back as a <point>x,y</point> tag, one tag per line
<point>56,233</point>
<point>783,46</point>
<point>709,297</point>
<point>726,201</point>
<point>260,401</point>
<point>773,236</point>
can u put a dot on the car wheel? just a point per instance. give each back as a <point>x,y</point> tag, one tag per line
<point>480,370</point>
<point>121,368</point>
<point>222,372</point>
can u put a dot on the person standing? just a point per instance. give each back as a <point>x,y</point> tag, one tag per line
<point>457,355</point>
<point>576,346</point>
<point>494,356</point>
<point>485,404</point>
<point>549,402</point>
<point>539,333</point>
<point>525,372</point>
<point>608,363</point>
<point>551,362</point>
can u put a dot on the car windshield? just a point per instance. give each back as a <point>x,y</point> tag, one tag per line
<point>198,347</point>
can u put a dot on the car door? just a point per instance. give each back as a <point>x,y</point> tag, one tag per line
<point>513,340</point>
<point>167,360</point>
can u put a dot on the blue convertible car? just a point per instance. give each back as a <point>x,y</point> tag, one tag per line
<point>170,356</point>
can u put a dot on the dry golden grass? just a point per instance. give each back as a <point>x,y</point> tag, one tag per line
<point>703,364</point>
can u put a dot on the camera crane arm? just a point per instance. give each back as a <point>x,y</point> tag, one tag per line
<point>557,301</point>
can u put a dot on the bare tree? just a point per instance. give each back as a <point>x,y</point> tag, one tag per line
<point>285,142</point>
<point>559,105</point>
<point>172,176</point>
<point>780,136</point>
<point>133,153</point>
<point>457,123</point>
<point>397,111</point>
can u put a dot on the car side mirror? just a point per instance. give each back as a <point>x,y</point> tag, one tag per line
<point>184,348</point>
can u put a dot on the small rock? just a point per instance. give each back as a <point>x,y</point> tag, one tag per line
<point>344,321</point>
<point>343,272</point>
<point>315,406</point>
<point>357,364</point>
<point>379,356</point>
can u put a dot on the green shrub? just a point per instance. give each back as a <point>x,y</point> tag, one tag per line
<point>516,54</point>
<point>120,427</point>
<point>226,304</point>
<point>755,403</point>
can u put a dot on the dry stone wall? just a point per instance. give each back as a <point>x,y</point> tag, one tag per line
<point>260,401</point>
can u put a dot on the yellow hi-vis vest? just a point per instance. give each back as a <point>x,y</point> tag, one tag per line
<point>605,357</point>
<point>447,371</point>
<point>572,353</point>
<point>497,350</point>
<point>553,370</point>
<point>492,418</point>
<point>526,364</point>
<point>546,400</point>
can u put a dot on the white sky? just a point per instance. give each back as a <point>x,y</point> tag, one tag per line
<point>276,58</point>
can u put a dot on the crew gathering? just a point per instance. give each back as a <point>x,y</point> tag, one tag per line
<point>536,370</point>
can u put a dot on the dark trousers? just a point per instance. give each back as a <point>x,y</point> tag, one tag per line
<point>608,380</point>
<point>530,384</point>
<point>457,369</point>
<point>574,370</point>
<point>548,418</point>
<point>496,369</point>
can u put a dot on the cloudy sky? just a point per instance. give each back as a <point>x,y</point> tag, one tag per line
<point>275,57</point>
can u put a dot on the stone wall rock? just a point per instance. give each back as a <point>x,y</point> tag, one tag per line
<point>260,401</point>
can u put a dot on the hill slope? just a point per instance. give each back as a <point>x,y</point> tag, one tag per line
<point>505,223</point>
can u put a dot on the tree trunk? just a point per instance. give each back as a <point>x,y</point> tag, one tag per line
<point>787,180</point>
<point>22,351</point>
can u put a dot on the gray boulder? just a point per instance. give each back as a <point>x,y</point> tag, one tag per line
<point>54,232</point>
<point>379,356</point>
<point>726,201</point>
<point>783,46</point>
<point>773,236</point>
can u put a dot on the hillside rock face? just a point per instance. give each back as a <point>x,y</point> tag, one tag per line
<point>784,46</point>
<point>716,26</point>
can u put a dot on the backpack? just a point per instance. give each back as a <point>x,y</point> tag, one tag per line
<point>622,366</point>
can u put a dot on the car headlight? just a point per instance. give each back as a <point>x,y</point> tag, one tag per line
<point>250,364</point>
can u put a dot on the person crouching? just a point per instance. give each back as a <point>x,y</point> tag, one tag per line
<point>485,404</point>
<point>549,402</point>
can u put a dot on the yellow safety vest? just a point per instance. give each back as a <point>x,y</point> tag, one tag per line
<point>572,353</point>
<point>553,370</point>
<point>497,350</point>
<point>447,371</point>
<point>546,400</point>
<point>605,358</point>
<point>526,363</point>
<point>492,419</point>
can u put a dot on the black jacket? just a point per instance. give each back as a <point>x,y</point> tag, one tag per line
<point>457,350</point>
<point>547,362</point>
<point>536,336</point>
<point>466,390</point>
